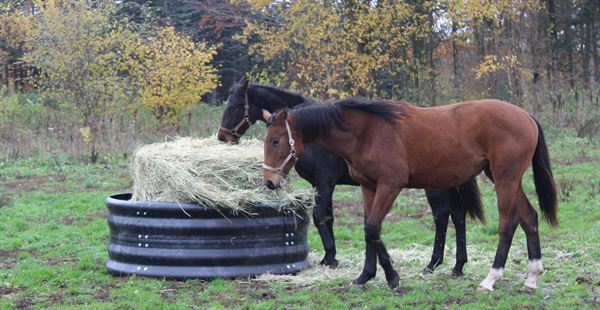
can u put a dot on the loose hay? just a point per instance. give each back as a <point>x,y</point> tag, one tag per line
<point>413,256</point>
<point>210,173</point>
<point>408,260</point>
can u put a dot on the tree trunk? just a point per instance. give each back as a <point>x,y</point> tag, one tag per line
<point>455,63</point>
<point>591,43</point>
<point>552,26</point>
<point>28,6</point>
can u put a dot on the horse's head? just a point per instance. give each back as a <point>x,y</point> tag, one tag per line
<point>239,113</point>
<point>283,146</point>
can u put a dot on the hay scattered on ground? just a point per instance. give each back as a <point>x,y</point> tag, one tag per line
<point>209,172</point>
<point>409,261</point>
<point>351,265</point>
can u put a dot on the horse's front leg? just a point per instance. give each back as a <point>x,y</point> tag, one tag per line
<point>370,267</point>
<point>381,203</point>
<point>322,215</point>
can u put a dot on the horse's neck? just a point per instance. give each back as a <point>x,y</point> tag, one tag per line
<point>271,99</point>
<point>337,141</point>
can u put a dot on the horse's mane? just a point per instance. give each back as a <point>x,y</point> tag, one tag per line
<point>316,119</point>
<point>285,94</point>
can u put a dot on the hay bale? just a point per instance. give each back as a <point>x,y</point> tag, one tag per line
<point>208,172</point>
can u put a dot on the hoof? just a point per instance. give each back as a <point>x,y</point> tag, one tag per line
<point>363,279</point>
<point>529,288</point>
<point>457,273</point>
<point>399,291</point>
<point>394,281</point>
<point>484,289</point>
<point>355,285</point>
<point>427,270</point>
<point>333,263</point>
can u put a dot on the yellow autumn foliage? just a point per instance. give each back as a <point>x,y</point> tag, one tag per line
<point>15,28</point>
<point>174,73</point>
<point>99,65</point>
<point>328,55</point>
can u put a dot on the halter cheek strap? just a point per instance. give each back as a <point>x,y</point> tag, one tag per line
<point>244,120</point>
<point>291,155</point>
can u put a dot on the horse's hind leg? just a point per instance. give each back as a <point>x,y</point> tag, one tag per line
<point>439,200</point>
<point>508,221</point>
<point>529,222</point>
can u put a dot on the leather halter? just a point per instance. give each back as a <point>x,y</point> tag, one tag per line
<point>244,120</point>
<point>291,155</point>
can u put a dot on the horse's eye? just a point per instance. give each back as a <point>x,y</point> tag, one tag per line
<point>276,141</point>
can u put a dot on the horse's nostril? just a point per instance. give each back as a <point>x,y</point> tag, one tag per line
<point>269,184</point>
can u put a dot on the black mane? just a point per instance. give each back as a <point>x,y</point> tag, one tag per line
<point>315,119</point>
<point>276,95</point>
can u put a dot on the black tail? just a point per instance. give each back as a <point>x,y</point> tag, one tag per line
<point>543,179</point>
<point>471,200</point>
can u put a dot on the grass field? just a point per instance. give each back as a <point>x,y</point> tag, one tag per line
<point>54,236</point>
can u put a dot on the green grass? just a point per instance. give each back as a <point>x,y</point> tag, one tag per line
<point>53,239</point>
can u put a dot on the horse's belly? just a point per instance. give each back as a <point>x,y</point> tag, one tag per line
<point>450,175</point>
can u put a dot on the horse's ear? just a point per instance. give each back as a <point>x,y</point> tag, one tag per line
<point>244,83</point>
<point>282,115</point>
<point>266,115</point>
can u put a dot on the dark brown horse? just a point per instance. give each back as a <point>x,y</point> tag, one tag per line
<point>389,147</point>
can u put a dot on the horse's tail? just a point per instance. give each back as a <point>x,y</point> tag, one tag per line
<point>471,200</point>
<point>543,179</point>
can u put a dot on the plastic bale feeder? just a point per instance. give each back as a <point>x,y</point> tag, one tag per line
<point>171,228</point>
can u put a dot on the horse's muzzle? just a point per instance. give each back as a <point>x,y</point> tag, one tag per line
<point>226,137</point>
<point>270,184</point>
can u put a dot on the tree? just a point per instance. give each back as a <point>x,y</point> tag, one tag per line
<point>15,27</point>
<point>332,50</point>
<point>79,49</point>
<point>174,73</point>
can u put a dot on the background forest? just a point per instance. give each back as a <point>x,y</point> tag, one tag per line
<point>83,77</point>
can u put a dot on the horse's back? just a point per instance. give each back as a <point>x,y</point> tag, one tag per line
<point>453,137</point>
<point>495,119</point>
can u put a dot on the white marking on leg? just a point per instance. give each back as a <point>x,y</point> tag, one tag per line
<point>534,269</point>
<point>488,283</point>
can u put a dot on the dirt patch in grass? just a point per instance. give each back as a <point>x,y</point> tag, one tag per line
<point>45,183</point>
<point>42,301</point>
<point>575,160</point>
<point>9,292</point>
<point>172,291</point>
<point>103,214</point>
<point>53,261</point>
<point>352,208</point>
<point>103,294</point>
<point>5,199</point>
<point>417,214</point>
<point>8,258</point>
<point>251,290</point>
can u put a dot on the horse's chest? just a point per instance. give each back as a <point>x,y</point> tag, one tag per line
<point>362,178</point>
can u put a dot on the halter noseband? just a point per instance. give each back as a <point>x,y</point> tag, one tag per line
<point>291,155</point>
<point>244,120</point>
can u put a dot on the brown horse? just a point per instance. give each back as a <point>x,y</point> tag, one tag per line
<point>389,147</point>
